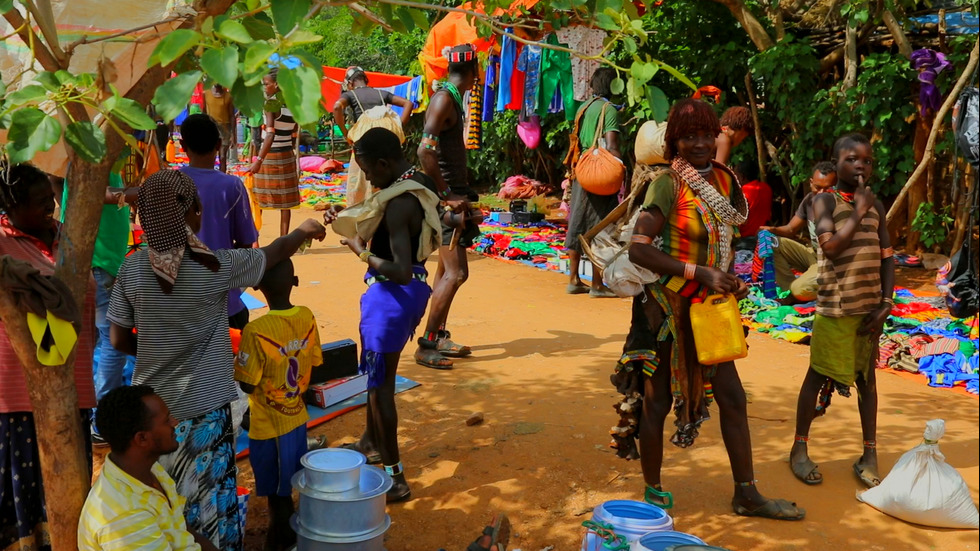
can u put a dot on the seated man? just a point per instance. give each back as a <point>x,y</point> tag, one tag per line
<point>134,503</point>
<point>791,255</point>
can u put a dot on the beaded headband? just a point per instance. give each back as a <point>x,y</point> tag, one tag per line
<point>460,56</point>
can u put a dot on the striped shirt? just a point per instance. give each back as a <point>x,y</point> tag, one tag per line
<point>851,284</point>
<point>277,353</point>
<point>184,349</point>
<point>122,513</point>
<point>283,130</point>
<point>13,386</point>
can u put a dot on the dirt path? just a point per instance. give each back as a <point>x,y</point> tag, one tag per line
<point>540,373</point>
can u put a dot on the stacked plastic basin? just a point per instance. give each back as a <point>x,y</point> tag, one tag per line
<point>642,526</point>
<point>341,502</point>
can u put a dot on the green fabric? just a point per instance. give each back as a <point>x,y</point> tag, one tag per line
<point>590,121</point>
<point>776,315</point>
<point>660,194</point>
<point>838,352</point>
<point>112,241</point>
<point>556,69</point>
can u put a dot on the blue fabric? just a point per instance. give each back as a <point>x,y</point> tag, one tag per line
<point>530,62</point>
<point>942,369</point>
<point>490,87</point>
<point>276,460</point>
<point>508,63</point>
<point>408,90</point>
<point>110,367</point>
<point>389,315</point>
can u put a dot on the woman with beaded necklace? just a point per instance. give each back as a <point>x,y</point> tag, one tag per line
<point>684,233</point>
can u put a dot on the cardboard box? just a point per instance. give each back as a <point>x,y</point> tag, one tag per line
<point>502,217</point>
<point>333,392</point>
<point>339,360</point>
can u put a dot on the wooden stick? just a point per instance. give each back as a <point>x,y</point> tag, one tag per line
<point>934,133</point>
<point>760,144</point>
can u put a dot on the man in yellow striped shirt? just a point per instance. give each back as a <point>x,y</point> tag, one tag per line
<point>134,504</point>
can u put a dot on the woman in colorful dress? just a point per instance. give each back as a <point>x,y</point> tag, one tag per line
<point>276,169</point>
<point>685,233</point>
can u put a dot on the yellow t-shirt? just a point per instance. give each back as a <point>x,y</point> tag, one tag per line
<point>276,355</point>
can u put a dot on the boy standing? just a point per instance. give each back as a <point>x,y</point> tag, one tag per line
<point>226,220</point>
<point>277,353</point>
<point>856,279</point>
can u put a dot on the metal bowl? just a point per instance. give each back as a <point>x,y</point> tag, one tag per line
<point>344,514</point>
<point>311,541</point>
<point>333,469</point>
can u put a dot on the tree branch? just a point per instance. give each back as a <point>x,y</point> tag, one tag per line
<point>87,40</point>
<point>897,33</point>
<point>41,52</point>
<point>757,33</point>
<point>760,143</point>
<point>850,56</point>
<point>41,11</point>
<point>934,132</point>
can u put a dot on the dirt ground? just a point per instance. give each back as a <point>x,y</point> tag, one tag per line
<point>540,373</point>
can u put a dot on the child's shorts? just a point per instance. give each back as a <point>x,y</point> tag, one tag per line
<point>276,460</point>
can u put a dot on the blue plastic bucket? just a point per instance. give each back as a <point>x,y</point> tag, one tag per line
<point>694,547</point>
<point>629,519</point>
<point>661,541</point>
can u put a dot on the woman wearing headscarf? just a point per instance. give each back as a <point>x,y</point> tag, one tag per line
<point>174,295</point>
<point>684,233</point>
<point>29,233</point>
<point>276,169</point>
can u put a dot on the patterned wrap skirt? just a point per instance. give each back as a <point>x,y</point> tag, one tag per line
<point>276,184</point>
<point>204,469</point>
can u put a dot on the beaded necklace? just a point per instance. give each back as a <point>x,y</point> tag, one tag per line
<point>454,92</point>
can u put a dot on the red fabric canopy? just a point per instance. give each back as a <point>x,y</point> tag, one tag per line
<point>333,77</point>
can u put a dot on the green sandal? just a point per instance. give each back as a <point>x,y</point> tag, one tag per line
<point>654,495</point>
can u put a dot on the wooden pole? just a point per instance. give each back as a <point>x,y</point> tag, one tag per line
<point>934,133</point>
<point>760,143</point>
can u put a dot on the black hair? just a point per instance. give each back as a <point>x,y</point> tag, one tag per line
<point>278,279</point>
<point>356,73</point>
<point>849,140</point>
<point>200,133</point>
<point>17,182</point>
<point>121,414</point>
<point>463,68</point>
<point>601,81</point>
<point>748,170</point>
<point>825,168</point>
<point>274,74</point>
<point>378,143</point>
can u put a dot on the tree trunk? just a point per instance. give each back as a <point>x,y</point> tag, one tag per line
<point>917,193</point>
<point>850,56</point>
<point>760,142</point>
<point>898,34</point>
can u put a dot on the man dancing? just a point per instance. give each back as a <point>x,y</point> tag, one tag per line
<point>442,154</point>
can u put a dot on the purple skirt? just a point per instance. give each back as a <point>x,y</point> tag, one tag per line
<point>390,313</point>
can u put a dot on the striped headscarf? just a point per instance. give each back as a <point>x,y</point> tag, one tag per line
<point>164,199</point>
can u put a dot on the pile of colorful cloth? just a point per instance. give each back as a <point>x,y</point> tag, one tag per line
<point>541,245</point>
<point>919,337</point>
<point>320,191</point>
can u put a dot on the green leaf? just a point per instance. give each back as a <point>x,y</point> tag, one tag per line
<point>130,112</point>
<point>300,37</point>
<point>308,58</point>
<point>252,4</point>
<point>301,90</point>
<point>286,14</point>
<point>207,28</point>
<point>421,21</point>
<point>405,18</point>
<point>234,31</point>
<point>259,26</point>
<point>257,55</point>
<point>31,131</point>
<point>6,5</point>
<point>606,22</point>
<point>221,65</point>
<point>248,99</point>
<point>87,140</point>
<point>617,86</point>
<point>658,103</point>
<point>629,43</point>
<point>171,98</point>
<point>174,45</point>
<point>49,81</point>
<point>27,94</point>
<point>3,89</point>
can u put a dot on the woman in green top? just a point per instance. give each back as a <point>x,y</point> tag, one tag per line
<point>586,210</point>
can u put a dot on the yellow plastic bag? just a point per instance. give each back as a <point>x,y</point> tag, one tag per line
<point>249,181</point>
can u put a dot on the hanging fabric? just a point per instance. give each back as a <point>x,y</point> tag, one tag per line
<point>474,118</point>
<point>508,66</point>
<point>587,41</point>
<point>490,86</point>
<point>557,90</point>
<point>530,63</point>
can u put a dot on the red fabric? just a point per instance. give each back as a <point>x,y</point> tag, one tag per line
<point>759,197</point>
<point>333,77</point>
<point>13,387</point>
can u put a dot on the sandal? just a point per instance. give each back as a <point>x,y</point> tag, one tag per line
<point>448,348</point>
<point>395,496</point>
<point>573,289</point>
<point>373,456</point>
<point>499,533</point>
<point>775,509</point>
<point>654,495</point>
<point>429,357</point>
<point>806,472</point>
<point>866,475</point>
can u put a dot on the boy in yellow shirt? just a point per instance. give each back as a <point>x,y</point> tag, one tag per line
<point>275,358</point>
